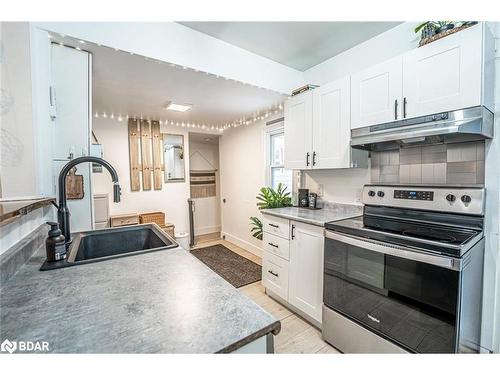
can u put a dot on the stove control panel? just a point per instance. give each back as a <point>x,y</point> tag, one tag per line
<point>414,194</point>
<point>457,199</point>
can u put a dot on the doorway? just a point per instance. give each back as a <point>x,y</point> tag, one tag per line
<point>205,185</point>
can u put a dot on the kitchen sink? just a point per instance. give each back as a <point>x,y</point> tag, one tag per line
<point>103,244</point>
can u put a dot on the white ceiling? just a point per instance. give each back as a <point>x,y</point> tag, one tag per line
<point>299,45</point>
<point>126,84</point>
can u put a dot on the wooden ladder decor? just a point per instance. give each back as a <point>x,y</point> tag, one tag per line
<point>133,145</point>
<point>157,154</point>
<point>147,165</point>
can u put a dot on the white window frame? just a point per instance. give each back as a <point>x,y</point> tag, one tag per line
<point>271,130</point>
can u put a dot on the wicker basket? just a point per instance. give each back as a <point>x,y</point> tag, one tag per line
<point>152,217</point>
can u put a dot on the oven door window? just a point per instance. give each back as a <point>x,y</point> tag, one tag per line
<point>411,303</point>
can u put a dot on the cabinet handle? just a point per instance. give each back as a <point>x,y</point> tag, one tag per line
<point>314,158</point>
<point>273,245</point>
<point>273,273</point>
<point>293,231</point>
<point>307,159</point>
<point>274,225</point>
<point>395,109</point>
<point>404,107</point>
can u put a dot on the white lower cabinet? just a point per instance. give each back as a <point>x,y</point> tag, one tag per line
<point>275,274</point>
<point>305,285</point>
<point>292,269</point>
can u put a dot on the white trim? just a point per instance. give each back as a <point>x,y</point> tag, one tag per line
<point>255,250</point>
<point>269,131</point>
<point>206,230</point>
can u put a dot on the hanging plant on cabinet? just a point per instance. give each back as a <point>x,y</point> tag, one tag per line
<point>269,198</point>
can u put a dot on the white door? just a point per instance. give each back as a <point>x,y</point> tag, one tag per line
<point>376,94</point>
<point>298,131</point>
<point>305,290</point>
<point>331,125</point>
<point>444,75</point>
<point>72,125</point>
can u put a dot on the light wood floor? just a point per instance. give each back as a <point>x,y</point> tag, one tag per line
<point>297,335</point>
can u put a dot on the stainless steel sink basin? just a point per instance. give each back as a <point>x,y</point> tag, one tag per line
<point>102,244</point>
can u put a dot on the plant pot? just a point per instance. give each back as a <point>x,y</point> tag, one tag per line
<point>446,27</point>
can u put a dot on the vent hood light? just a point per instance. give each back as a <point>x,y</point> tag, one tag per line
<point>178,107</point>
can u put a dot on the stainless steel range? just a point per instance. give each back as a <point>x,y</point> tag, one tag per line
<point>407,275</point>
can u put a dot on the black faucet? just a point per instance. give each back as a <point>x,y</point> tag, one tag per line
<point>62,210</point>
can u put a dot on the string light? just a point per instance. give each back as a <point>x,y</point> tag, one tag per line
<point>256,116</point>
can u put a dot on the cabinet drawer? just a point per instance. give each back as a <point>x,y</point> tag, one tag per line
<point>275,274</point>
<point>118,221</point>
<point>276,245</point>
<point>277,226</point>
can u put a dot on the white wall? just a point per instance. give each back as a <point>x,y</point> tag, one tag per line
<point>14,232</point>
<point>207,215</point>
<point>178,44</point>
<point>382,47</point>
<point>17,158</point>
<point>242,161</point>
<point>340,186</point>
<point>172,199</point>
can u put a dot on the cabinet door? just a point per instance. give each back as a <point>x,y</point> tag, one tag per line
<point>298,131</point>
<point>376,94</point>
<point>444,75</point>
<point>306,269</point>
<point>331,125</point>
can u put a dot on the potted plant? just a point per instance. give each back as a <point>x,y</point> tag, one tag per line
<point>269,198</point>
<point>430,28</point>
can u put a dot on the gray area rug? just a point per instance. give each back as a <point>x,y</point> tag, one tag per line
<point>235,269</point>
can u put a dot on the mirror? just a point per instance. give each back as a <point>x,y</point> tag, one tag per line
<point>173,157</point>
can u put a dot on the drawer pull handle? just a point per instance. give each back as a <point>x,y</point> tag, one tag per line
<point>273,245</point>
<point>274,225</point>
<point>273,273</point>
<point>373,319</point>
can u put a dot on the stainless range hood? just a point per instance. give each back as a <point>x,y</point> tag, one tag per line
<point>470,124</point>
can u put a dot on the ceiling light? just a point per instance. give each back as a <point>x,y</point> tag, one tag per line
<point>208,139</point>
<point>178,107</point>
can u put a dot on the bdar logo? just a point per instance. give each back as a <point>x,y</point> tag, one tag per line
<point>8,346</point>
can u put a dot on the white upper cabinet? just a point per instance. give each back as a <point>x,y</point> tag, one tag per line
<point>451,73</point>
<point>331,130</point>
<point>318,131</point>
<point>298,131</point>
<point>376,94</point>
<point>444,75</point>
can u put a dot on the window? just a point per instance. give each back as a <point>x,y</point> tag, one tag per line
<point>275,161</point>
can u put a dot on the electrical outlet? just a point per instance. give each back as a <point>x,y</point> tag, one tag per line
<point>359,195</point>
<point>321,190</point>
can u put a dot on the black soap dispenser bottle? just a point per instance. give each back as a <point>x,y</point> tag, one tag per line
<point>55,244</point>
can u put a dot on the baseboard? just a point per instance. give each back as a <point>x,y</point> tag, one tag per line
<point>206,230</point>
<point>255,250</point>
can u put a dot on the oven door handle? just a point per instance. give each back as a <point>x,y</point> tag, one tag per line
<point>397,251</point>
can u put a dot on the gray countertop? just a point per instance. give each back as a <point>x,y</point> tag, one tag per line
<point>332,212</point>
<point>158,302</point>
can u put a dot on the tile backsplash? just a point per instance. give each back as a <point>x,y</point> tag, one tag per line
<point>454,163</point>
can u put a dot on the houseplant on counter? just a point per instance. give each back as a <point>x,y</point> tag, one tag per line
<point>269,198</point>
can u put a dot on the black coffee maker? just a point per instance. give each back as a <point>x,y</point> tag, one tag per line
<point>303,197</point>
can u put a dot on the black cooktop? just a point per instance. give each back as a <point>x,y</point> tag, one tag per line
<point>437,238</point>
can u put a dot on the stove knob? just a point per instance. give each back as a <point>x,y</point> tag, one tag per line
<point>380,193</point>
<point>371,193</point>
<point>466,198</point>
<point>451,198</point>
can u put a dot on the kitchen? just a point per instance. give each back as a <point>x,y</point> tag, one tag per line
<point>385,240</point>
